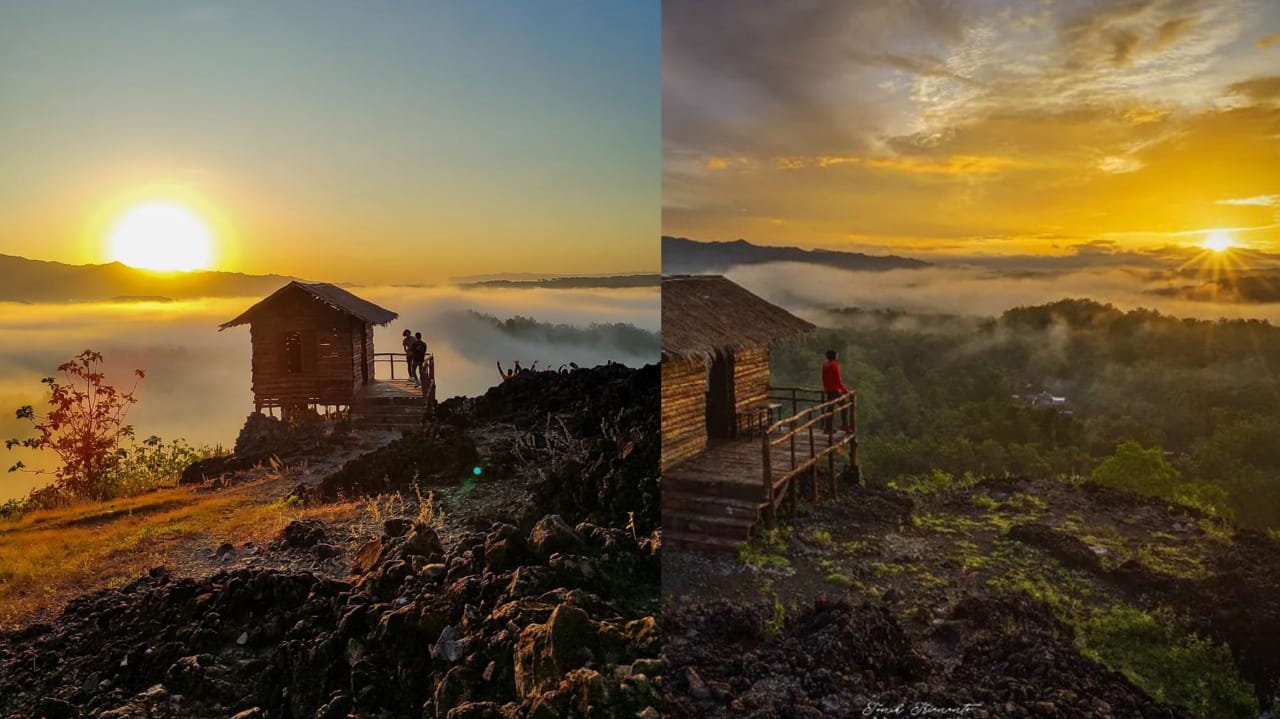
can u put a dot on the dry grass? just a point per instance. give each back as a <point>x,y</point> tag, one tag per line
<point>421,508</point>
<point>50,556</point>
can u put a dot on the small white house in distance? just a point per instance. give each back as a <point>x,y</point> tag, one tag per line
<point>1046,399</point>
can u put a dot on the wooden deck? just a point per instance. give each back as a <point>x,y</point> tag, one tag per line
<point>389,404</point>
<point>380,390</point>
<point>735,468</point>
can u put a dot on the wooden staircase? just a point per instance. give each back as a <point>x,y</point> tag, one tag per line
<point>714,501</point>
<point>699,521</point>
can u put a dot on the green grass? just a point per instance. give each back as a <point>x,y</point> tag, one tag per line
<point>839,580</point>
<point>935,482</point>
<point>880,570</point>
<point>767,550</point>
<point>774,624</point>
<point>853,548</point>
<point>1157,654</point>
<point>819,536</point>
<point>984,502</point>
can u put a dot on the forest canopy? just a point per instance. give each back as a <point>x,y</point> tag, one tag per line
<point>959,394</point>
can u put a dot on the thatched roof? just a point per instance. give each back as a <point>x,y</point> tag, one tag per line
<point>332,295</point>
<point>703,314</point>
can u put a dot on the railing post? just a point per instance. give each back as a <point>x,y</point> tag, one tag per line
<point>791,436</point>
<point>831,426</point>
<point>853,423</point>
<point>813,470</point>
<point>768,482</point>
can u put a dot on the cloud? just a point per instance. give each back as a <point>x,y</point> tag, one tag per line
<point>966,125</point>
<point>1117,165</point>
<point>785,91</point>
<point>953,165</point>
<point>1255,201</point>
<point>1269,40</point>
<point>1259,89</point>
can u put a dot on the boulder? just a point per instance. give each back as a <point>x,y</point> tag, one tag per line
<point>551,535</point>
<point>545,653</point>
<point>304,533</point>
<point>424,541</point>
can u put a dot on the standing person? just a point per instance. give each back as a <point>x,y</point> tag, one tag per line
<point>833,386</point>
<point>418,361</point>
<point>408,354</point>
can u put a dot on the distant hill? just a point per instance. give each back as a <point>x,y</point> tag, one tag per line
<point>681,255</point>
<point>1242,287</point>
<point>566,283</point>
<point>25,280</point>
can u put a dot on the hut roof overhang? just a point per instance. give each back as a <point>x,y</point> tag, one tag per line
<point>706,314</point>
<point>331,295</point>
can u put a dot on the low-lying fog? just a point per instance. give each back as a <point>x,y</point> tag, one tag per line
<point>807,290</point>
<point>198,385</point>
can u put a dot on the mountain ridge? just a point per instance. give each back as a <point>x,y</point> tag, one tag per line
<point>23,279</point>
<point>681,255</point>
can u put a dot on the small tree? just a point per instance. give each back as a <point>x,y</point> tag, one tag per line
<point>83,426</point>
<point>1139,469</point>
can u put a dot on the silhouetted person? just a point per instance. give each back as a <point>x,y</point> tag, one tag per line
<point>408,353</point>
<point>833,387</point>
<point>505,375</point>
<point>417,364</point>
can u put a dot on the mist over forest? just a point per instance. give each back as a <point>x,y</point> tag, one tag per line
<point>988,291</point>
<point>948,362</point>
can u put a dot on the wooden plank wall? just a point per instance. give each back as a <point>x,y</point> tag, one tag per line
<point>328,354</point>
<point>750,377</point>
<point>684,407</point>
<point>361,351</point>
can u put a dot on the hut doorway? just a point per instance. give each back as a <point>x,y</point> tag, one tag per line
<point>720,396</point>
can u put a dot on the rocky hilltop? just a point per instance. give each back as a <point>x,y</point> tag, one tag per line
<point>538,597</point>
<point>997,598</point>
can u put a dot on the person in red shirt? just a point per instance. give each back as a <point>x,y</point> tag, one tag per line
<point>833,386</point>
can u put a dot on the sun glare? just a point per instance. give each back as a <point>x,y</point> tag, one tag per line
<point>1218,241</point>
<point>161,236</point>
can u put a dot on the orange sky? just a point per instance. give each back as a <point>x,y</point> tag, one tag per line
<point>973,129</point>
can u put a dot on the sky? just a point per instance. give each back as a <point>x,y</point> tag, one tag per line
<point>363,142</point>
<point>973,129</point>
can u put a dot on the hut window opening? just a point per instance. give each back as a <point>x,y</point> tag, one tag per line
<point>293,351</point>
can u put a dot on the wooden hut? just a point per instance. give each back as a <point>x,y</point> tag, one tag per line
<point>312,346</point>
<point>715,360</point>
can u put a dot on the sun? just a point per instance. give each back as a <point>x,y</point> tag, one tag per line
<point>1218,241</point>
<point>161,236</point>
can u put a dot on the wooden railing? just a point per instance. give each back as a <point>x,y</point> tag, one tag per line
<point>797,396</point>
<point>394,358</point>
<point>822,416</point>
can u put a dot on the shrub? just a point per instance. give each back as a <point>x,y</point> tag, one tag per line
<point>83,426</point>
<point>1156,654</point>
